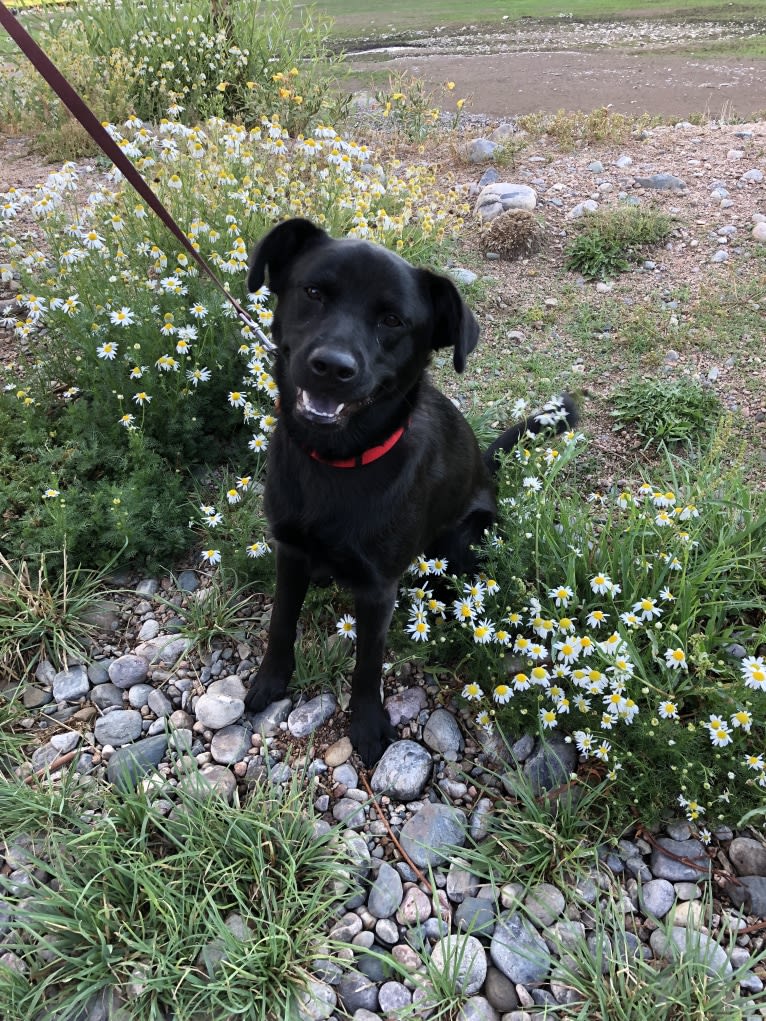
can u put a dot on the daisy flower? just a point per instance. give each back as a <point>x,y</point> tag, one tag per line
<point>346,626</point>
<point>562,595</point>
<point>668,710</point>
<point>596,618</point>
<point>259,549</point>
<point>472,692</point>
<point>107,351</point>
<point>418,630</point>
<point>211,556</point>
<point>122,316</point>
<point>675,659</point>
<point>502,694</point>
<point>548,718</point>
<point>483,632</point>
<point>601,584</point>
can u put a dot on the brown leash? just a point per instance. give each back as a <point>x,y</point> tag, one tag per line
<point>82,112</point>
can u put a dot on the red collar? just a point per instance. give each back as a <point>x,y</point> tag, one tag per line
<point>367,456</point>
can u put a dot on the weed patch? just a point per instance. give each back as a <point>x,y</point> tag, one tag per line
<point>666,411</point>
<point>609,241</point>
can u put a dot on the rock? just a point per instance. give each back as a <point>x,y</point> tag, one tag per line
<point>748,856</point>
<point>551,765</point>
<point>312,714</point>
<point>106,696</point>
<point>357,992</point>
<point>750,893</point>
<point>403,771</point>
<point>461,884</point>
<point>119,727</point>
<point>129,764</point>
<point>415,907</point>
<point>496,198</point>
<point>147,587</point>
<point>735,154</point>
<point>34,697</point>
<point>462,276</point>
<point>405,706</point>
<point>45,673</point>
<point>657,897</point>
<point>462,958</point>
<point>664,867</point>
<point>148,630</point>
<point>544,904</point>
<point>345,774</point>
<point>102,614</point>
<point>71,685</point>
<point>98,673</point>
<point>480,150</point>
<point>518,951</point>
<point>476,916</point>
<point>210,781</point>
<point>316,1002</point>
<point>623,162</point>
<point>230,744</point>
<point>349,812</point>
<point>588,206</point>
<point>720,256</point>
<point>338,753</point>
<point>442,734</point>
<point>490,176</point>
<point>65,743</point>
<point>426,837</point>
<point>477,1008</point>
<point>696,946</point>
<point>393,997</point>
<point>187,581</point>
<point>661,182</point>
<point>231,686</point>
<point>43,757</point>
<point>759,232</point>
<point>500,991</point>
<point>596,167</point>
<point>503,133</point>
<point>218,711</point>
<point>138,695</point>
<point>386,893</point>
<point>267,722</point>
<point>166,649</point>
<point>128,670</point>
<point>159,703</point>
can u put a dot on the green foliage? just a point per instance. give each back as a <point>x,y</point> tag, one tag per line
<point>577,128</point>
<point>666,411</point>
<point>221,610</point>
<point>609,241</point>
<point>646,688</point>
<point>143,905</point>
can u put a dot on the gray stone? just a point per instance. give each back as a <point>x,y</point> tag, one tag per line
<point>106,696</point>
<point>231,686</point>
<point>480,150</point>
<point>678,829</point>
<point>596,167</point>
<point>696,946</point>
<point>664,867</point>
<point>267,722</point>
<point>159,703</point>
<point>147,587</point>
<point>661,182</point>
<point>551,765</point>
<point>442,734</point>
<point>166,649</point>
<point>490,176</point>
<point>544,904</point>
<point>350,813</point>
<point>720,256</point>
<point>518,951</point>
<point>428,835</point>
<point>480,818</point>
<point>218,711</point>
<point>393,997</point>
<point>312,714</point>
<point>43,756</point>
<point>462,958</point>
<point>582,208</point>
<point>129,764</point>
<point>316,1002</point>
<point>500,991</point>
<point>67,742</point>
<point>403,771</point>
<point>623,162</point>
<point>750,893</point>
<point>475,915</point>
<point>210,781</point>
<point>498,197</point>
<point>230,744</point>
<point>387,931</point>
<point>386,893</point>
<point>759,232</point>
<point>405,705</point>
<point>462,276</point>
<point>477,1008</point>
<point>149,629</point>
<point>128,670</point>
<point>748,856</point>
<point>72,684</point>
<point>657,897</point>
<point>461,883</point>
<point>357,992</point>
<point>346,775</point>
<point>119,727</point>
<point>102,614</point>
<point>45,673</point>
<point>98,673</point>
<point>187,581</point>
<point>138,695</point>
<point>34,697</point>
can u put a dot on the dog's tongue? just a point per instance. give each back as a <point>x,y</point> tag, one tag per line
<point>326,407</point>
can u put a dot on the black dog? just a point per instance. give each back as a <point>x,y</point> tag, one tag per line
<point>370,465</point>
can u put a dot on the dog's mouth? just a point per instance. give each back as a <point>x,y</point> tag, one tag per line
<point>318,408</point>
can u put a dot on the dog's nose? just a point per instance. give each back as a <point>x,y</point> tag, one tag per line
<point>332,365</point>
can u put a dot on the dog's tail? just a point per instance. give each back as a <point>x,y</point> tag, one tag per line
<point>558,415</point>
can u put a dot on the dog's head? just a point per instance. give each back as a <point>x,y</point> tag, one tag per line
<point>355,324</point>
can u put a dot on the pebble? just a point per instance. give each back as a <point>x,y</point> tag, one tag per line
<point>697,946</point>
<point>71,685</point>
<point>588,206</point>
<point>394,997</point>
<point>657,897</point>
<point>128,670</point>
<point>138,695</point>
<point>267,723</point>
<point>664,867</point>
<point>312,714</point>
<point>405,705</point>
<point>462,958</point>
<point>218,711</point>
<point>339,752</point>
<point>720,256</point>
<point>403,771</point>
<point>759,232</point>
<point>544,904</point>
<point>129,764</point>
<point>230,686</point>
<point>480,150</point>
<point>106,696</point>
<point>551,765</point>
<point>230,744</point>
<point>386,892</point>
<point>428,835</point>
<point>748,856</point>
<point>518,951</point>
<point>463,276</point>
<point>119,727</point>
<point>596,167</point>
<point>661,182</point>
<point>496,198</point>
<point>210,781</point>
<point>442,734</point>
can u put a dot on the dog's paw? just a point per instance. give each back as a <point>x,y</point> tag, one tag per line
<point>370,732</point>
<point>263,691</point>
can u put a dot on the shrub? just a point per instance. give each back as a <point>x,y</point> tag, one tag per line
<point>609,241</point>
<point>610,618</point>
<point>666,411</point>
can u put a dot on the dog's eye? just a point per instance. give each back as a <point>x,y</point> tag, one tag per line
<point>391,320</point>
<point>313,293</point>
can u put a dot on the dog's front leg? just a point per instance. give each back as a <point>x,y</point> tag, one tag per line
<point>370,729</point>
<point>278,662</point>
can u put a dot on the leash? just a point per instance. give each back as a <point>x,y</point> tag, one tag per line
<point>82,112</point>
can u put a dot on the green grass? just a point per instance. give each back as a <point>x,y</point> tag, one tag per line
<point>666,411</point>
<point>608,241</point>
<point>214,910</point>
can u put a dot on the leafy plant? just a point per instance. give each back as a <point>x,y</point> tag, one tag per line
<point>609,241</point>
<point>666,411</point>
<point>573,128</point>
<point>221,610</point>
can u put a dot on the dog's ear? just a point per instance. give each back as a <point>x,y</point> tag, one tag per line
<point>455,325</point>
<point>278,249</point>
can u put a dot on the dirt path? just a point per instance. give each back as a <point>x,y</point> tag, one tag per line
<point>504,84</point>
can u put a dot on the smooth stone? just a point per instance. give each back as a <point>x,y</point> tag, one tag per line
<point>147,587</point>
<point>518,951</point>
<point>759,232</point>
<point>148,630</point>
<point>623,162</point>
<point>405,705</point>
<point>187,581</point>
<point>231,686</point>
<point>694,945</point>
<point>393,997</point>
<point>477,1008</point>
<point>462,276</point>
<point>45,673</point>
<point>126,671</point>
<point>159,703</point>
<point>210,781</point>
<point>312,714</point>
<point>350,813</point>
<point>475,915</point>
<point>403,771</point>
<point>102,614</point>
<point>596,167</point>
<point>357,992</point>
<point>442,734</point>
<point>218,711</point>
<point>664,867</point>
<point>166,649</point>
<point>138,695</point>
<point>661,182</point>
<point>119,727</point>
<point>463,959</point>
<point>345,774</point>
<point>71,685</point>
<point>428,836</point>
<point>657,897</point>
<point>748,856</point>
<point>461,884</point>
<point>43,756</point>
<point>750,893</point>
<point>230,744</point>
<point>267,722</point>
<point>490,175</point>
<point>551,765</point>
<point>339,752</point>
<point>496,198</point>
<point>129,764</point>
<point>98,673</point>
<point>34,697</point>
<point>544,904</point>
<point>416,907</point>
<point>582,208</point>
<point>106,696</point>
<point>65,743</point>
<point>316,1002</point>
<point>386,892</point>
<point>480,150</point>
